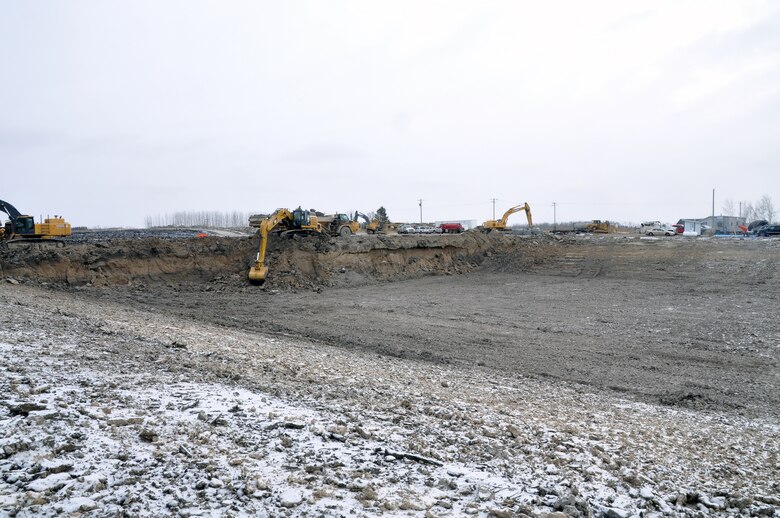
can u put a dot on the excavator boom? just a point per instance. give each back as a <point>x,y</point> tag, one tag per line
<point>9,209</point>
<point>492,224</point>
<point>259,271</point>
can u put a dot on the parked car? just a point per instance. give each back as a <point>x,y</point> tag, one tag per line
<point>658,231</point>
<point>406,229</point>
<point>425,230</point>
<point>768,230</point>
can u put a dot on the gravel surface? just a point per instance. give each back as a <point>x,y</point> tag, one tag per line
<point>527,377</point>
<point>108,409</point>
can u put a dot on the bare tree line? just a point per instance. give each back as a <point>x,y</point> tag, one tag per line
<point>204,218</point>
<point>762,209</point>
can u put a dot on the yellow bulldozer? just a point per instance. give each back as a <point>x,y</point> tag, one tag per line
<point>600,227</point>
<point>501,224</point>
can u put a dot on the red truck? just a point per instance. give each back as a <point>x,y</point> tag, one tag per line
<point>451,228</point>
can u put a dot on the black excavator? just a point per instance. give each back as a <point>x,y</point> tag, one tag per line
<point>23,228</point>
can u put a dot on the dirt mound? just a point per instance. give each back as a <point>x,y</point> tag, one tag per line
<point>300,262</point>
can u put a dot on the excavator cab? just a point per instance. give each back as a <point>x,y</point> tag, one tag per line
<point>23,226</point>
<point>301,218</point>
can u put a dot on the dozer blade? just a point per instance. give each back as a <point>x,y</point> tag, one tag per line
<point>257,274</point>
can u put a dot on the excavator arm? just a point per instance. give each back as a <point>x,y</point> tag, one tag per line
<point>10,210</point>
<point>501,223</point>
<point>259,271</point>
<point>517,208</point>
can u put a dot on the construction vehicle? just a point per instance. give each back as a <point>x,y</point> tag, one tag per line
<point>500,224</point>
<point>337,224</point>
<point>599,227</point>
<point>451,228</point>
<point>372,225</point>
<point>298,221</point>
<point>23,228</point>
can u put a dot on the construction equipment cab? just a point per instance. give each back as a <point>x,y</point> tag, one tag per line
<point>501,224</point>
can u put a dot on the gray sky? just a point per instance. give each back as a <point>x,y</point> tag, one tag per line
<point>628,111</point>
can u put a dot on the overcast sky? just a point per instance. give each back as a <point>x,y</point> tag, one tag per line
<point>628,111</point>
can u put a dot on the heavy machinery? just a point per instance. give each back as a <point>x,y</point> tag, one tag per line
<point>500,224</point>
<point>599,227</point>
<point>299,221</point>
<point>21,227</point>
<point>372,225</point>
<point>338,224</point>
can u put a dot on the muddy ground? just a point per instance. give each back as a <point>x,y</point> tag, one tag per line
<point>505,375</point>
<point>675,321</point>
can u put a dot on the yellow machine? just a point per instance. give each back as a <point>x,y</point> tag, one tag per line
<point>21,227</point>
<point>372,225</point>
<point>299,221</point>
<point>338,224</point>
<point>500,224</point>
<point>599,227</point>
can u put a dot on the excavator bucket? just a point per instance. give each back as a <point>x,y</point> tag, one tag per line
<point>257,274</point>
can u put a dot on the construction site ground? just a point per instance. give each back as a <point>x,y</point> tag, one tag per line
<point>494,375</point>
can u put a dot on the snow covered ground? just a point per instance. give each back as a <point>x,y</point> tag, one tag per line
<point>107,410</point>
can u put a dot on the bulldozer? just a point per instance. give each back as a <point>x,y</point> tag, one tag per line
<point>23,228</point>
<point>599,227</point>
<point>501,224</point>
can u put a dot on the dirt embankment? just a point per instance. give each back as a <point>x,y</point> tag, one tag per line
<point>301,262</point>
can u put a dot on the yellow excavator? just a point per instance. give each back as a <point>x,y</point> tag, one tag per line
<point>372,225</point>
<point>500,224</point>
<point>21,228</point>
<point>297,221</point>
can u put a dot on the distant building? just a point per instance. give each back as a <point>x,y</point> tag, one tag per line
<point>725,224</point>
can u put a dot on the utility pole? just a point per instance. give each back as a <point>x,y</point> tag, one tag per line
<point>420,201</point>
<point>555,217</point>
<point>740,210</point>
<point>713,207</point>
<point>494,207</point>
